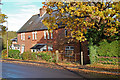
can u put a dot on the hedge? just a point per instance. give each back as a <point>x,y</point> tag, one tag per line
<point>109,52</point>
<point>11,54</point>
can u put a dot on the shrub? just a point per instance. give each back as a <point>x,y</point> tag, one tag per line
<point>45,56</point>
<point>109,50</point>
<point>29,56</point>
<point>11,54</point>
<point>4,53</point>
<point>14,54</point>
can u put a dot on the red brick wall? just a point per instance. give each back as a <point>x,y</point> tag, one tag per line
<point>59,42</point>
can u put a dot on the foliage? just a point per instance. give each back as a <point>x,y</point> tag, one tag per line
<point>4,53</point>
<point>93,55</point>
<point>11,35</point>
<point>29,56</point>
<point>109,50</point>
<point>85,20</point>
<point>45,56</point>
<point>3,18</point>
<point>92,21</point>
<point>14,54</point>
<point>11,54</point>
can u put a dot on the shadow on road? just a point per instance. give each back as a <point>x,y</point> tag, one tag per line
<point>71,71</point>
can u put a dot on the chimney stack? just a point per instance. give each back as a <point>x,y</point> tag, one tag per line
<point>42,10</point>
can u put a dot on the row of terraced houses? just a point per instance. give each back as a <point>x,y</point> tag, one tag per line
<point>34,36</point>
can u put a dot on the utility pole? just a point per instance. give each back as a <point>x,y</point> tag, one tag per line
<point>7,39</point>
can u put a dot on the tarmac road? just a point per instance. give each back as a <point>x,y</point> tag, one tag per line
<point>10,70</point>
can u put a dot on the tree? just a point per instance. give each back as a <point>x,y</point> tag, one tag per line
<point>3,28</point>
<point>91,21</point>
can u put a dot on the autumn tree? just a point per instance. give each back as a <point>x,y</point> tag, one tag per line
<point>3,28</point>
<point>91,21</point>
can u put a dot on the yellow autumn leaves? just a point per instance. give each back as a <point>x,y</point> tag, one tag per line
<point>83,16</point>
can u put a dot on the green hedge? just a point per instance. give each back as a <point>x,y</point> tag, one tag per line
<point>109,50</point>
<point>45,56</point>
<point>29,56</point>
<point>105,49</point>
<point>11,54</point>
<point>14,54</point>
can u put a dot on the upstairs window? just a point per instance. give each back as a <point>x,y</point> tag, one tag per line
<point>22,36</point>
<point>51,35</point>
<point>48,34</point>
<point>65,32</point>
<point>44,34</point>
<point>34,35</point>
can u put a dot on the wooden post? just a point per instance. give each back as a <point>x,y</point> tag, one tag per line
<point>57,56</point>
<point>81,58</point>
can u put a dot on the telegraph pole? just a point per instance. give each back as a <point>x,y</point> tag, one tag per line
<point>7,39</point>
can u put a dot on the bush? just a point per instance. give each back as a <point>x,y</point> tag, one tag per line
<point>11,54</point>
<point>93,53</point>
<point>29,56</point>
<point>14,54</point>
<point>4,53</point>
<point>45,56</point>
<point>109,50</point>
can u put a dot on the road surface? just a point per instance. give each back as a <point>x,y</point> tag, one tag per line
<point>28,71</point>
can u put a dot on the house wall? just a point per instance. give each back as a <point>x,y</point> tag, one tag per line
<point>59,42</point>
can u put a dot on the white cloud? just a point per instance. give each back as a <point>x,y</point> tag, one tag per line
<point>16,21</point>
<point>23,0</point>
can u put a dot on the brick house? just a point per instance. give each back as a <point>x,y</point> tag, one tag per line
<point>34,36</point>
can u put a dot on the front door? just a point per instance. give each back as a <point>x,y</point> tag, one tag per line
<point>23,48</point>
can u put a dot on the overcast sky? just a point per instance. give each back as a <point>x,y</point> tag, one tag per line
<point>19,11</point>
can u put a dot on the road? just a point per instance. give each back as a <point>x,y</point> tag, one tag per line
<point>10,70</point>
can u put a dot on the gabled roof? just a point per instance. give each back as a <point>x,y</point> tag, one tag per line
<point>34,23</point>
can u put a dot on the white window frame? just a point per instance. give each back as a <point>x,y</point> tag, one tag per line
<point>69,48</point>
<point>22,36</point>
<point>51,34</point>
<point>44,48</point>
<point>33,35</point>
<point>48,34</point>
<point>45,35</point>
<point>50,47</point>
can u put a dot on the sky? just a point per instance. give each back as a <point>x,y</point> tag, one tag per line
<point>19,12</point>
